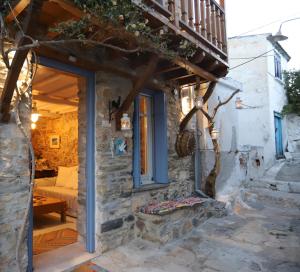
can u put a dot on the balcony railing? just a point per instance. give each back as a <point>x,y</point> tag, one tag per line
<point>204,20</point>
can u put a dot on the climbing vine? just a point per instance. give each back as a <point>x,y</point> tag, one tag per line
<point>123,15</point>
<point>292,87</point>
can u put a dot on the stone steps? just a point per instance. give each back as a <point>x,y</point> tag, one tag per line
<point>276,185</point>
<point>172,226</point>
<point>295,155</point>
<point>271,198</point>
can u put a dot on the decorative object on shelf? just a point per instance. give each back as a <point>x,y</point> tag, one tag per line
<point>125,122</point>
<point>113,106</point>
<point>185,143</point>
<point>54,141</point>
<point>120,146</point>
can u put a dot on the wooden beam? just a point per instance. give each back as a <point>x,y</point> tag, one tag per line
<point>17,9</point>
<point>206,96</point>
<point>167,69</point>
<point>192,68</point>
<point>138,85</point>
<point>29,27</point>
<point>52,100</point>
<point>199,57</point>
<point>212,66</point>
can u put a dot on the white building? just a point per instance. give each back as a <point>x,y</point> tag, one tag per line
<point>263,97</point>
<point>247,138</point>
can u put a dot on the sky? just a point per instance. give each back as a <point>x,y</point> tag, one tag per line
<point>245,15</point>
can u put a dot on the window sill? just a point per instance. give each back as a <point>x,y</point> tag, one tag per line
<point>150,187</point>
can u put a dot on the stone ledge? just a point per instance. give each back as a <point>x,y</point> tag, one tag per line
<point>149,187</point>
<point>171,226</point>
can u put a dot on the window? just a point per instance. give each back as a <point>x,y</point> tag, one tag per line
<point>277,63</point>
<point>187,99</point>
<point>150,160</point>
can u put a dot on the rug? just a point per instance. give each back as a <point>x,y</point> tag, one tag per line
<point>89,267</point>
<point>161,208</point>
<point>53,240</point>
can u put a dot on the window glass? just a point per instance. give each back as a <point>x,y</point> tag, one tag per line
<point>277,63</point>
<point>146,137</point>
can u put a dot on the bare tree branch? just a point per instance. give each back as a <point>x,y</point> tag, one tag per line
<point>38,43</point>
<point>2,36</point>
<point>223,103</point>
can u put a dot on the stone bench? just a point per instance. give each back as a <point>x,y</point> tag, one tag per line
<point>175,224</point>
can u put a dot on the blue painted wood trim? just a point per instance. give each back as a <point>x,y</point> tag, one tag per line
<point>30,239</point>
<point>160,139</point>
<point>160,149</point>
<point>136,144</point>
<point>90,144</point>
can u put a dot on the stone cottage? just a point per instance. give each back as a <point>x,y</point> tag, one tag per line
<point>109,117</point>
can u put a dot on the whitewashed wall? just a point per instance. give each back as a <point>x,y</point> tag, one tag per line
<point>239,162</point>
<point>261,91</point>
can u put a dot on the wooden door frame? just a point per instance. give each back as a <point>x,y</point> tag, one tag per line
<point>90,154</point>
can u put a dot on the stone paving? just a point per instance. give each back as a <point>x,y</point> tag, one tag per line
<point>259,235</point>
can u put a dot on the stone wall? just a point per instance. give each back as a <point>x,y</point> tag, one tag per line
<point>117,200</point>
<point>14,183</point>
<point>66,127</point>
<point>293,132</point>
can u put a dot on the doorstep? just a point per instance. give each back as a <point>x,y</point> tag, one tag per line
<point>62,259</point>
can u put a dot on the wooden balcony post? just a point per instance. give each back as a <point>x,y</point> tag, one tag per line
<point>173,8</point>
<point>213,24</point>
<point>203,25</point>
<point>222,4</point>
<point>183,11</point>
<point>223,33</point>
<point>197,15</point>
<point>191,13</point>
<point>218,28</point>
<point>208,24</point>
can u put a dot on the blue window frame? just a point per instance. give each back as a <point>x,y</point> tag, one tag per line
<point>150,154</point>
<point>277,66</point>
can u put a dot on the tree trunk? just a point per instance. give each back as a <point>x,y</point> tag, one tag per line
<point>210,184</point>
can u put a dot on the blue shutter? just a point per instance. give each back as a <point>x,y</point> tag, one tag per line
<point>160,139</point>
<point>136,144</point>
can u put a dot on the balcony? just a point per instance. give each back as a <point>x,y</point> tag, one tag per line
<point>201,22</point>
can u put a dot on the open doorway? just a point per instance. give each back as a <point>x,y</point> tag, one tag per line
<point>55,142</point>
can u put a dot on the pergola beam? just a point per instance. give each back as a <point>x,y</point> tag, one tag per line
<point>14,70</point>
<point>192,68</point>
<point>138,85</point>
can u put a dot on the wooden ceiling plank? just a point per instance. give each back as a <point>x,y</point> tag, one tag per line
<point>52,100</point>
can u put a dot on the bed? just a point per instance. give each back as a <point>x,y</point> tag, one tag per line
<point>64,186</point>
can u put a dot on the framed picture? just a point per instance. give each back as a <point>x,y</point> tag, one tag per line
<point>54,141</point>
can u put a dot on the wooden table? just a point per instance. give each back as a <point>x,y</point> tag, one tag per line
<point>45,204</point>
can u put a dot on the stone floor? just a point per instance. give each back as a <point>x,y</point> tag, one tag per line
<point>258,236</point>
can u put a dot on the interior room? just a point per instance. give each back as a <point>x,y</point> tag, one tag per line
<point>54,124</point>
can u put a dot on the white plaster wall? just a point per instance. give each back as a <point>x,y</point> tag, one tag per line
<point>261,92</point>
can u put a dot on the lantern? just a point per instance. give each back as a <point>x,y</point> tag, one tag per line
<point>125,122</point>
